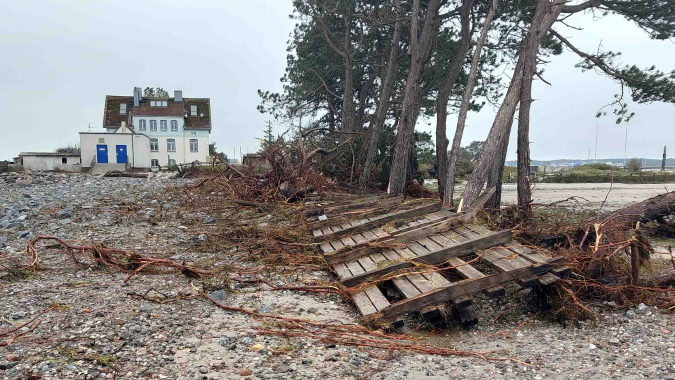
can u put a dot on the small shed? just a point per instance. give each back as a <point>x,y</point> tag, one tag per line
<point>38,161</point>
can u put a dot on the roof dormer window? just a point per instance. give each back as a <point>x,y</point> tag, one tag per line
<point>193,110</point>
<point>123,108</point>
<point>159,103</point>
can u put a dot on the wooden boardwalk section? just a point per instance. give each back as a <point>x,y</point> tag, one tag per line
<point>414,260</point>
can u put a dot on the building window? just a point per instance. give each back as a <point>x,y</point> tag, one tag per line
<point>158,103</point>
<point>162,125</point>
<point>164,103</point>
<point>64,160</point>
<point>123,108</point>
<point>194,145</point>
<point>171,145</point>
<point>141,125</point>
<point>154,163</point>
<point>154,145</point>
<point>193,110</point>
<point>172,162</point>
<point>174,125</point>
<point>153,125</point>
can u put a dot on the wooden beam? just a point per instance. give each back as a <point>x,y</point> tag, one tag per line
<point>378,201</point>
<point>461,289</point>
<point>442,226</point>
<point>379,221</point>
<point>436,257</point>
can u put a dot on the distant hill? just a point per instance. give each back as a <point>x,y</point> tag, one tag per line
<point>566,162</point>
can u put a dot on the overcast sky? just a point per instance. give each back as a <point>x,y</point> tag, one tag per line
<point>60,58</point>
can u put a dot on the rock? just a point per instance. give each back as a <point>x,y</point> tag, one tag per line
<point>209,219</point>
<point>12,358</point>
<point>23,234</point>
<point>592,346</point>
<point>3,241</point>
<point>245,372</point>
<point>630,314</point>
<point>257,347</point>
<point>7,365</point>
<point>642,307</point>
<point>312,310</point>
<point>219,295</point>
<point>614,342</point>
<point>224,341</point>
<point>202,237</point>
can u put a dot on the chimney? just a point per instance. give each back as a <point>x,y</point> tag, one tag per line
<point>178,96</point>
<point>138,96</point>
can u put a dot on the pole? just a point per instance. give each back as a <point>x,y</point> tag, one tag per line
<point>625,149</point>
<point>589,156</point>
<point>597,127</point>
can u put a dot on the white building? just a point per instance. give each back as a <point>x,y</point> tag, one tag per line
<point>69,162</point>
<point>144,133</point>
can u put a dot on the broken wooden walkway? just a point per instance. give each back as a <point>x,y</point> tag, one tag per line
<point>415,260</point>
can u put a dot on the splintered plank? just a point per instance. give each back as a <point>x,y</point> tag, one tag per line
<point>461,289</point>
<point>435,257</point>
<point>380,220</point>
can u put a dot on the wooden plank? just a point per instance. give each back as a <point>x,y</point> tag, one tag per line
<point>376,297</point>
<point>348,241</point>
<point>381,220</point>
<point>548,279</point>
<point>367,263</point>
<point>342,271</point>
<point>460,289</point>
<point>406,253</point>
<point>407,289</point>
<point>337,244</point>
<point>326,248</point>
<point>507,261</point>
<point>562,271</point>
<point>436,227</point>
<point>418,249</point>
<point>526,252</point>
<point>345,206</point>
<point>359,238</point>
<point>436,257</point>
<point>355,268</point>
<point>316,232</point>
<point>392,255</point>
<point>377,257</point>
<point>465,270</point>
<point>363,303</point>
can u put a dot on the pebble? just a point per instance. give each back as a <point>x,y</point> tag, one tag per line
<point>257,347</point>
<point>630,314</point>
<point>209,219</point>
<point>245,372</point>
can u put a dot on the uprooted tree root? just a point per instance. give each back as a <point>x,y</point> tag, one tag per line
<point>609,254</point>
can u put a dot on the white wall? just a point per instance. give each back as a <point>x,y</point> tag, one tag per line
<point>138,151</point>
<point>51,163</point>
<point>182,154</point>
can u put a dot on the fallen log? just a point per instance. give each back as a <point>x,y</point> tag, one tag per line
<point>616,227</point>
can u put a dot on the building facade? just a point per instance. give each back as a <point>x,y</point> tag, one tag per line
<point>175,130</point>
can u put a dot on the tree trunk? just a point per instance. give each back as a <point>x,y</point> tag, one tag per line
<point>501,127</point>
<point>383,106</point>
<point>530,48</point>
<point>447,198</point>
<point>444,93</point>
<point>399,167</point>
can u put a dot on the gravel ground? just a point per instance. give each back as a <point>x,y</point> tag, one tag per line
<point>100,332</point>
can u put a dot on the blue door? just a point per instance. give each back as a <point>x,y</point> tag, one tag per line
<point>102,154</point>
<point>121,154</point>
